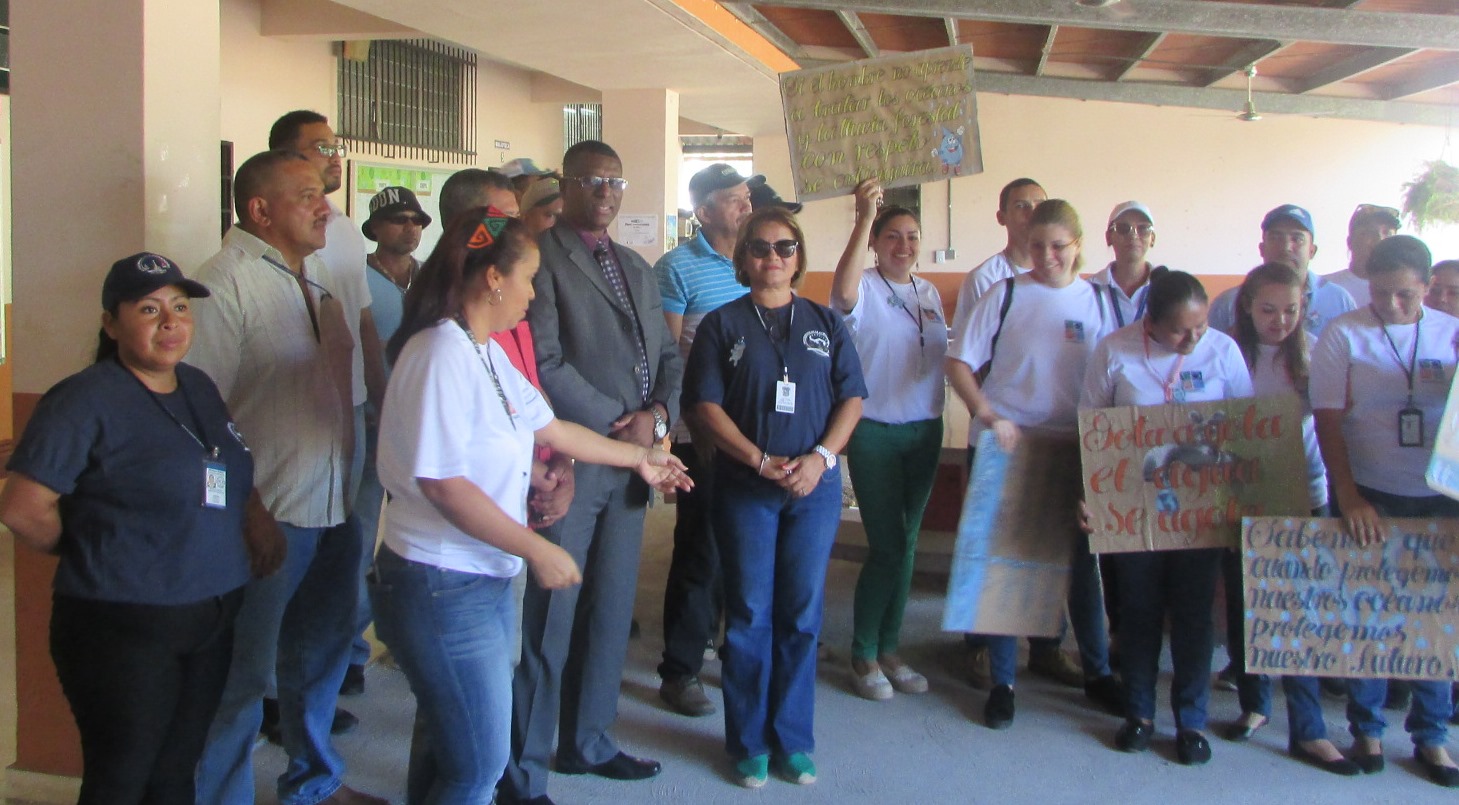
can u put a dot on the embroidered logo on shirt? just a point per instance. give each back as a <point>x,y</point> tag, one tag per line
<point>817,342</point>
<point>931,314</point>
<point>1073,331</point>
<point>737,352</point>
<point>1430,370</point>
<point>1192,381</point>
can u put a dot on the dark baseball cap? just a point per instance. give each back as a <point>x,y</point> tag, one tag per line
<point>1374,212</point>
<point>390,201</point>
<point>132,278</point>
<point>763,195</point>
<point>715,177</point>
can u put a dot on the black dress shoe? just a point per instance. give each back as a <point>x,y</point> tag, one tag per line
<point>1192,748</point>
<point>1341,767</point>
<point>354,680</point>
<point>1240,731</point>
<point>344,721</point>
<point>998,712</point>
<point>1134,736</point>
<point>1446,776</point>
<point>621,766</point>
<point>1370,764</point>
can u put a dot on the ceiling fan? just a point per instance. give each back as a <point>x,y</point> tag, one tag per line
<point>1249,113</point>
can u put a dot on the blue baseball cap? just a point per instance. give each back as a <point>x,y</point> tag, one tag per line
<point>1293,212</point>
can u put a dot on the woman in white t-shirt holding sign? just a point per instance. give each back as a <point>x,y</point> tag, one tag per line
<point>456,444</point>
<point>897,324</point>
<point>1380,377</point>
<point>1038,341</point>
<point>1170,356</point>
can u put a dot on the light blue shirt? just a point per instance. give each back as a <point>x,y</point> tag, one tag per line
<point>1325,302</point>
<point>693,280</point>
<point>387,306</point>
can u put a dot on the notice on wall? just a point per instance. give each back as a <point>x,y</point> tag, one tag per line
<point>906,119</point>
<point>1178,476</point>
<point>637,230</point>
<point>1015,539</point>
<point>1319,604</point>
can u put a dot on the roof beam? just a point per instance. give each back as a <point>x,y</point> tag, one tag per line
<point>1242,59</point>
<point>952,31</point>
<point>1284,23</point>
<point>1437,77</point>
<point>1046,50</point>
<point>1356,64</point>
<point>859,32</point>
<point>747,14</point>
<point>1226,100</point>
<point>1142,52</point>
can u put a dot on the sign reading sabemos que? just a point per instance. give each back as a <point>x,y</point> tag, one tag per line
<point>905,119</point>
<point>1169,477</point>
<point>1317,603</point>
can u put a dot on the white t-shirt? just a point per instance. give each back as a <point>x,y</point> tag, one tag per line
<point>1356,286</point>
<point>1127,308</point>
<point>1046,342</point>
<point>1269,378</point>
<point>1356,369</point>
<point>344,254</point>
<point>902,365</point>
<point>1130,369</point>
<point>977,283</point>
<point>1325,302</point>
<point>443,418</point>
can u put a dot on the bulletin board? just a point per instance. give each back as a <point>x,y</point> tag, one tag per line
<point>368,178</point>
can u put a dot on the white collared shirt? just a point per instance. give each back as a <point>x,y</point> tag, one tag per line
<point>344,253</point>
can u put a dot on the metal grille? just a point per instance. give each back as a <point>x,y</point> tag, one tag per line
<point>409,99</point>
<point>581,121</point>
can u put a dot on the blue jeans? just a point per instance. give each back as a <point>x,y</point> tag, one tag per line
<point>1182,585</point>
<point>367,511</point>
<point>450,631</point>
<point>1428,716</point>
<point>774,550</point>
<point>1304,709</point>
<point>1086,615</point>
<point>298,620</point>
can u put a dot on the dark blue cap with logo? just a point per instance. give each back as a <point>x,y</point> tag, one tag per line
<point>132,278</point>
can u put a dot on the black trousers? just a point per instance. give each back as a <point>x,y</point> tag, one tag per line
<point>144,682</point>
<point>693,597</point>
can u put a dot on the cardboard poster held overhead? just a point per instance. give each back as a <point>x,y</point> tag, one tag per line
<point>906,119</point>
<point>1179,476</point>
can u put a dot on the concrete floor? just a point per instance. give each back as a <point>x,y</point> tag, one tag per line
<point>926,749</point>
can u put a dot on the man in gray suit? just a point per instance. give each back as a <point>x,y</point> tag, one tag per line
<point>608,362</point>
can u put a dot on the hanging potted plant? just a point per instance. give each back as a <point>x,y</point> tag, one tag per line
<point>1433,196</point>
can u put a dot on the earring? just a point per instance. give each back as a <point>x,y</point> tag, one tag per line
<point>495,298</point>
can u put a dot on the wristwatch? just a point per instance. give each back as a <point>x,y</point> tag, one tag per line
<point>827,455</point>
<point>661,425</point>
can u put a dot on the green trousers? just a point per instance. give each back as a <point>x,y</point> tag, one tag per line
<point>892,469</point>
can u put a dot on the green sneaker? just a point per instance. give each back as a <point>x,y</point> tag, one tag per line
<point>752,771</point>
<point>797,768</point>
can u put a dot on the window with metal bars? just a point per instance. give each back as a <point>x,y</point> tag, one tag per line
<point>411,99</point>
<point>581,121</point>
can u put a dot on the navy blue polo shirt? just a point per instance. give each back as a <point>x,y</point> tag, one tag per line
<point>734,363</point>
<point>131,480</point>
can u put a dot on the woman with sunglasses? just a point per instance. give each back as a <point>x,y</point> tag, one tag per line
<point>897,325</point>
<point>455,455</point>
<point>1380,378</point>
<point>775,379</point>
<point>1169,356</point>
<point>1036,333</point>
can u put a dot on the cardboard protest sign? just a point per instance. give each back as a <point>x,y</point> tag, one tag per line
<point>1015,539</point>
<point>905,119</point>
<point>1318,604</point>
<point>1177,476</point>
<point>1443,472</point>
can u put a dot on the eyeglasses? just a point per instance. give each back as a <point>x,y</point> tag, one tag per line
<point>760,249</point>
<point>402,220</point>
<point>1122,228</point>
<point>594,182</point>
<point>335,150</point>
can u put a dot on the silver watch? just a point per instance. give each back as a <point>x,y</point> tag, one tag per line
<point>827,455</point>
<point>661,425</point>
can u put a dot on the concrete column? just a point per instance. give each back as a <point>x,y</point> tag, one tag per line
<point>642,125</point>
<point>115,132</point>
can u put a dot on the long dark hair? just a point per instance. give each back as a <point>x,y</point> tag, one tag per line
<point>473,241</point>
<point>106,346</point>
<point>1171,289</point>
<point>1293,350</point>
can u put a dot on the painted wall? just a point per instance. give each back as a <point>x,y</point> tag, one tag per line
<point>1208,178</point>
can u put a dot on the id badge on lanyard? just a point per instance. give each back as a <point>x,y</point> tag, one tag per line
<point>784,397</point>
<point>215,482</point>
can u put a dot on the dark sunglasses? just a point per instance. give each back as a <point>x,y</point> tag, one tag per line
<point>760,249</point>
<point>402,220</point>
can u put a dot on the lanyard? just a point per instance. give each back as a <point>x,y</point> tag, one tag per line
<point>486,363</point>
<point>1412,357</point>
<point>897,301</point>
<point>304,284</point>
<point>779,353</point>
<point>181,389</point>
<point>1114,302</point>
<point>1168,383</point>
